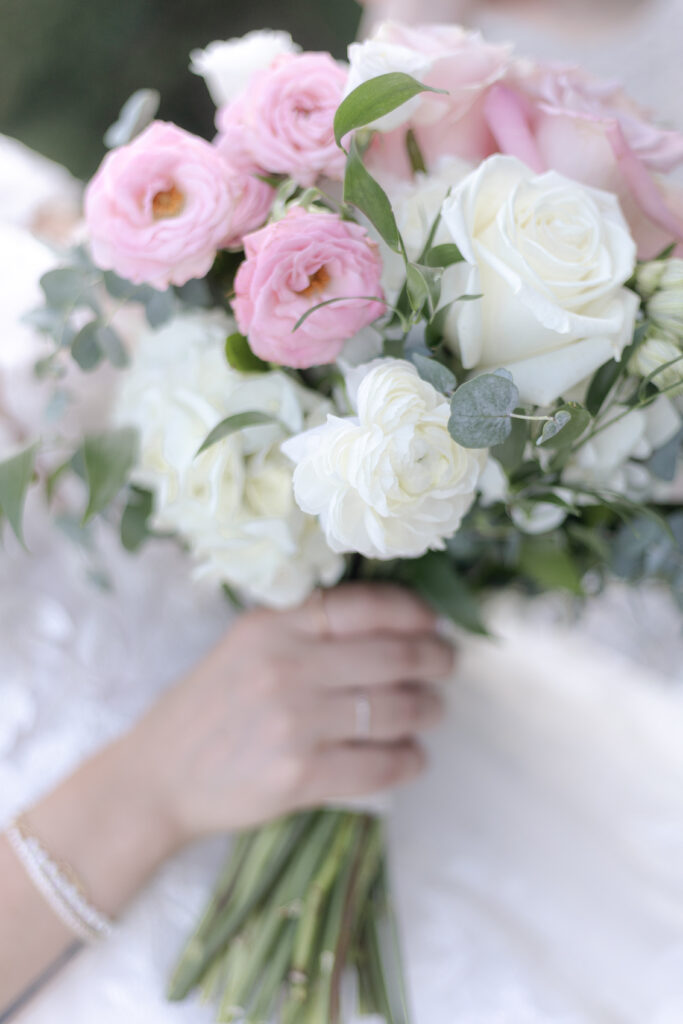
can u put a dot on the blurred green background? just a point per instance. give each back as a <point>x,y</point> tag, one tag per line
<point>66,66</point>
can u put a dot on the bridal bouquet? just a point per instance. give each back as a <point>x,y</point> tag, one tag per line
<point>415,317</point>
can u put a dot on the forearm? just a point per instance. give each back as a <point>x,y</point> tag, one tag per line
<point>106,824</point>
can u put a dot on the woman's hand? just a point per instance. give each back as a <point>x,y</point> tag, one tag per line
<point>275,718</point>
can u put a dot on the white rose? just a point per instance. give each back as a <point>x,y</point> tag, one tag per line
<point>233,505</point>
<point>378,56</point>
<point>389,482</point>
<point>416,205</point>
<point>610,461</point>
<point>228,66</point>
<point>550,258</point>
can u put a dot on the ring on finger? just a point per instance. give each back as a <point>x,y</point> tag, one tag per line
<point>363,717</point>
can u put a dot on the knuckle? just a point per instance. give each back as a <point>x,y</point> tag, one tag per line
<point>293,775</point>
<point>283,726</point>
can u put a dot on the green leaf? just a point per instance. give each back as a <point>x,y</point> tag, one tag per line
<point>566,426</point>
<point>510,453</point>
<point>549,565</point>
<point>16,474</point>
<point>230,425</point>
<point>86,348</point>
<point>481,410</point>
<point>159,307</point>
<point>417,160</point>
<point>418,287</point>
<point>436,578</point>
<point>66,287</point>
<point>330,302</point>
<point>443,256</point>
<point>135,518</point>
<point>601,385</point>
<point>113,347</point>
<point>108,460</point>
<point>240,357</point>
<point>435,373</point>
<point>361,189</point>
<point>374,99</point>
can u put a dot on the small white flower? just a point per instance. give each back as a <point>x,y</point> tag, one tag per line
<point>228,66</point>
<point>233,505</point>
<point>550,258</point>
<point>612,460</point>
<point>389,482</point>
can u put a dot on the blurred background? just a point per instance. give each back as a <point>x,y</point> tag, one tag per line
<point>66,67</point>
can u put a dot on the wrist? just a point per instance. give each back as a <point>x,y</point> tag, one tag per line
<point>107,823</point>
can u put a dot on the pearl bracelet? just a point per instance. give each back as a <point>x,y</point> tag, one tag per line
<point>57,885</point>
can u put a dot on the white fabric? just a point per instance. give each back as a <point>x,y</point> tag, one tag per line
<point>539,865</point>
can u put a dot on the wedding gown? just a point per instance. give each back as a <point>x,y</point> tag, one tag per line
<point>538,865</point>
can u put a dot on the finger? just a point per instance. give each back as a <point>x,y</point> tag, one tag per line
<point>362,608</point>
<point>346,771</point>
<point>377,661</point>
<point>384,715</point>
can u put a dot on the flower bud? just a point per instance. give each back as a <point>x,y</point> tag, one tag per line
<point>663,355</point>
<point>659,274</point>
<point>665,309</point>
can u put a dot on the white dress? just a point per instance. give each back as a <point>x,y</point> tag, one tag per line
<point>538,866</point>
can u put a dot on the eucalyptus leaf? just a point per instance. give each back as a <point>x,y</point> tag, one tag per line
<point>436,578</point>
<point>375,98</point>
<point>230,425</point>
<point>66,287</point>
<point>159,307</point>
<point>137,112</point>
<point>665,461</point>
<point>435,373</point>
<point>510,453</point>
<point>481,410</point>
<point>45,319</point>
<point>86,349</point>
<point>108,460</point>
<point>240,357</point>
<point>567,426</point>
<point>16,474</point>
<point>363,192</point>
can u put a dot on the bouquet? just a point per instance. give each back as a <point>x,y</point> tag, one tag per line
<point>416,317</point>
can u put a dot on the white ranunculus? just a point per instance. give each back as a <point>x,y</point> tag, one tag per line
<point>227,66</point>
<point>612,460</point>
<point>416,205</point>
<point>233,505</point>
<point>389,482</point>
<point>550,258</point>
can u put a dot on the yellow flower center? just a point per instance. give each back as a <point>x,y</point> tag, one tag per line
<point>316,284</point>
<point>168,204</point>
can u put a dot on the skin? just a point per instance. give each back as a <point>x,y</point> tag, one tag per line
<point>265,725</point>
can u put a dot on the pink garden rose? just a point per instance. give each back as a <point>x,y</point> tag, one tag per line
<point>254,198</point>
<point>562,118</point>
<point>446,57</point>
<point>159,208</point>
<point>287,117</point>
<point>295,264</point>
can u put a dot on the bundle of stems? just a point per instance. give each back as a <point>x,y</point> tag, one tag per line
<point>301,904</point>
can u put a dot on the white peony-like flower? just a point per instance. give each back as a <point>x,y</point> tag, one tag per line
<point>389,482</point>
<point>550,259</point>
<point>380,56</point>
<point>612,460</point>
<point>227,66</point>
<point>233,505</point>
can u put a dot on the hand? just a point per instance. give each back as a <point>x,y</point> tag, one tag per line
<point>268,723</point>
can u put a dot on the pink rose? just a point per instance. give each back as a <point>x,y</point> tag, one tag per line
<point>564,119</point>
<point>292,266</point>
<point>446,57</point>
<point>253,197</point>
<point>287,117</point>
<point>159,208</point>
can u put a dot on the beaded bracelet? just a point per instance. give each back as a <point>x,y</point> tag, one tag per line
<point>58,885</point>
